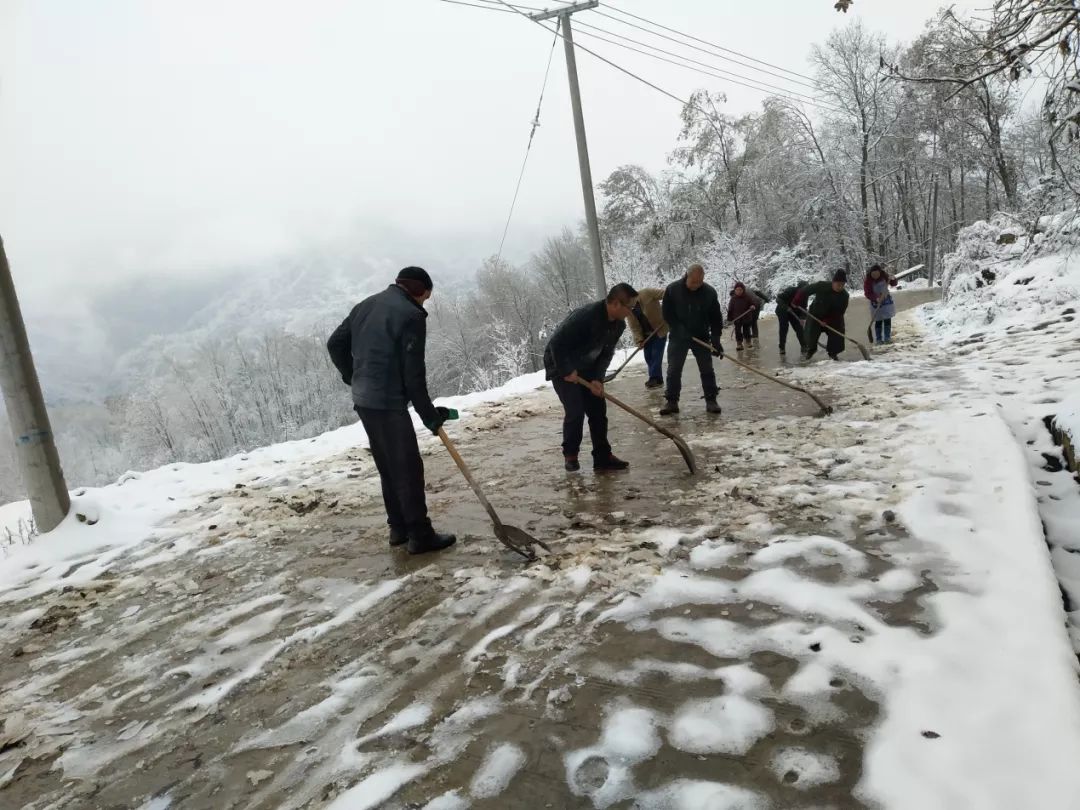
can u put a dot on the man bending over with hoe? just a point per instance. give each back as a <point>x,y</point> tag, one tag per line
<point>828,307</point>
<point>379,350</point>
<point>576,360</point>
<point>650,332</point>
<point>692,310</point>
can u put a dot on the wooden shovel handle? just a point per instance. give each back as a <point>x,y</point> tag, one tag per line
<point>468,477</point>
<point>761,373</point>
<point>862,349</point>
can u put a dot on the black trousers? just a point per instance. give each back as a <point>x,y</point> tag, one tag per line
<point>834,344</point>
<point>676,359</point>
<point>754,324</point>
<point>397,457</point>
<point>786,319</point>
<point>744,330</point>
<point>580,403</point>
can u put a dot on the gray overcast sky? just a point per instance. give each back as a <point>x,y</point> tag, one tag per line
<point>182,136</point>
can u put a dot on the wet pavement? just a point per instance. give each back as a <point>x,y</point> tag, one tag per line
<point>661,654</point>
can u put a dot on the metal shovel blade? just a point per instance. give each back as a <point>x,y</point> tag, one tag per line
<point>519,540</point>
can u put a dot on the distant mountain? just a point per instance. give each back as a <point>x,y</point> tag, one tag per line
<point>87,350</point>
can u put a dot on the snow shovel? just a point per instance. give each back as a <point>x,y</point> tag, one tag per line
<point>512,537</point>
<point>680,443</point>
<point>825,407</point>
<point>615,373</point>
<point>865,352</point>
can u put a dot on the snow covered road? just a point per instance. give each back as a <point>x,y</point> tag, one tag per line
<point>855,611</point>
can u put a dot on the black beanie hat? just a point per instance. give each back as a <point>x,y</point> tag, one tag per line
<point>416,274</point>
<point>841,276</point>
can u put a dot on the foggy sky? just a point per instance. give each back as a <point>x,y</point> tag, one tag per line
<point>142,138</point>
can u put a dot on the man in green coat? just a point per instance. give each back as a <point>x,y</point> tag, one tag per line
<point>829,305</point>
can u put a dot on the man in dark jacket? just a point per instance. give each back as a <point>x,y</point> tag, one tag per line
<point>785,317</point>
<point>692,310</point>
<point>829,305</point>
<point>379,350</point>
<point>580,350</point>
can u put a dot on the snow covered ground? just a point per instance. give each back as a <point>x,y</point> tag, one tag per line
<point>850,611</point>
<point>1011,325</point>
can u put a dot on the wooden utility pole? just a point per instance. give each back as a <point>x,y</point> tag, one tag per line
<point>34,445</point>
<point>579,129</point>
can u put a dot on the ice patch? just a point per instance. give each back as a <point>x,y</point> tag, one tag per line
<point>448,801</point>
<point>579,577</point>
<point>729,724</point>
<point>713,554</point>
<point>378,787</point>
<point>499,767</point>
<point>472,657</point>
<point>804,769</point>
<point>603,771</point>
<point>693,794</point>
<point>550,621</point>
<point>816,550</point>
<point>410,717</point>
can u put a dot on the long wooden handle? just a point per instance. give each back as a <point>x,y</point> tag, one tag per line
<point>468,477</point>
<point>826,326</point>
<point>633,412</point>
<point>761,373</point>
<point>634,352</point>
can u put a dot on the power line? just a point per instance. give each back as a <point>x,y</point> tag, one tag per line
<point>727,75</point>
<point>489,7</point>
<point>604,59</point>
<point>635,76</point>
<point>713,54</point>
<point>528,146</point>
<point>713,44</point>
<point>475,5</point>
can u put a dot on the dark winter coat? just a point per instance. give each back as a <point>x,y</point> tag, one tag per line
<point>379,350</point>
<point>828,306</point>
<point>784,298</point>
<point>584,342</point>
<point>692,313</point>
<point>739,305</point>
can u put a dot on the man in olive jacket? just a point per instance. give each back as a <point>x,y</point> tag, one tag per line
<point>379,350</point>
<point>692,310</point>
<point>646,318</point>
<point>829,306</point>
<point>580,350</point>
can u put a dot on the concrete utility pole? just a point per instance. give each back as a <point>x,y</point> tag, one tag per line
<point>579,129</point>
<point>933,234</point>
<point>34,446</point>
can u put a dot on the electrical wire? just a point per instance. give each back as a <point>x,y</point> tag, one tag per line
<point>801,84</point>
<point>711,44</point>
<point>626,71</point>
<point>475,5</point>
<point>720,73</point>
<point>528,146</point>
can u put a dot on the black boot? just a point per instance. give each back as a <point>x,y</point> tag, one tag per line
<point>430,540</point>
<point>670,407</point>
<point>398,537</point>
<point>570,464</point>
<point>609,463</point>
<point>711,405</point>
<point>654,382</point>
